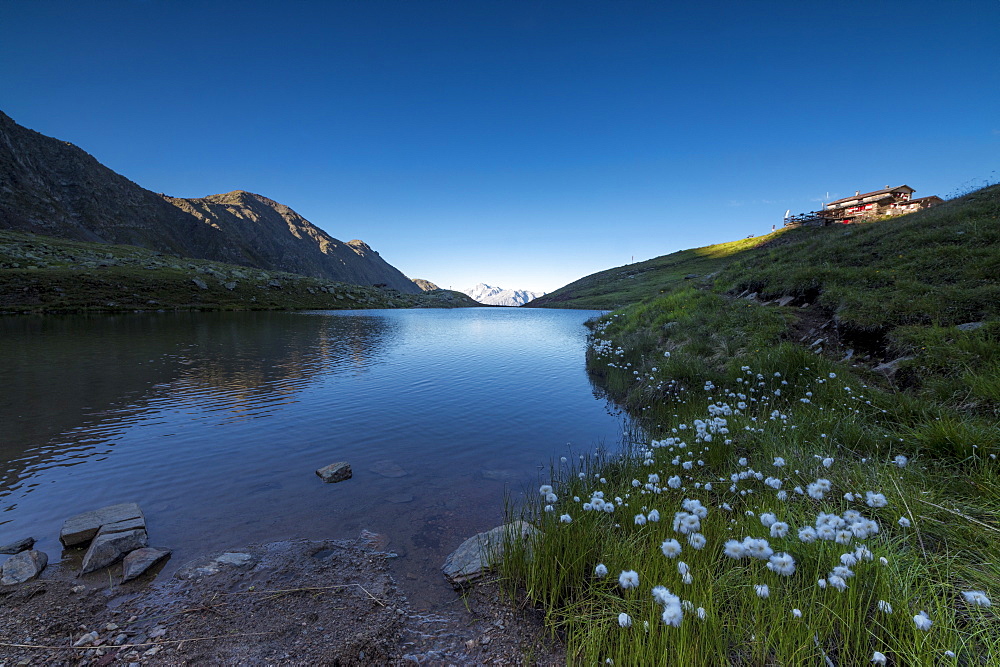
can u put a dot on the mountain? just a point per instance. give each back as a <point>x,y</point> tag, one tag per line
<point>498,296</point>
<point>51,187</point>
<point>425,285</point>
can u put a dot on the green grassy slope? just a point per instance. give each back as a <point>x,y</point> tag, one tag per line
<point>763,390</point>
<point>40,274</point>
<point>627,284</point>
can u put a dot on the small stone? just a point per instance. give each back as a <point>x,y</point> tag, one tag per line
<point>200,283</point>
<point>970,326</point>
<point>18,547</point>
<point>23,567</point>
<point>335,472</point>
<point>233,558</point>
<point>88,638</point>
<point>140,560</point>
<point>890,368</point>
<point>157,632</point>
<point>229,286</point>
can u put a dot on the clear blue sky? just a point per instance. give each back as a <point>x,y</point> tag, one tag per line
<point>522,144</point>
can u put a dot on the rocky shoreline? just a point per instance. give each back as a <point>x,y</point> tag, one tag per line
<point>293,602</point>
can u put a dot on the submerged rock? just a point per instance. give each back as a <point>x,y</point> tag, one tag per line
<point>478,553</point>
<point>335,472</point>
<point>82,528</point>
<point>140,560</point>
<point>388,468</point>
<point>23,567</point>
<point>207,567</point>
<point>18,547</point>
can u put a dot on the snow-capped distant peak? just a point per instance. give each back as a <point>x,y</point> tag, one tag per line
<point>498,296</point>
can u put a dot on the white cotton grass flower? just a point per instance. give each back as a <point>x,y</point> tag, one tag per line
<point>884,607</point>
<point>837,582</point>
<point>686,524</point>
<point>977,598</point>
<point>545,489</point>
<point>549,508</point>
<point>782,564</point>
<point>875,499</point>
<point>796,613</point>
<point>653,516</point>
<point>671,548</point>
<point>828,462</point>
<point>628,579</point>
<point>901,461</point>
<point>700,612</point>
<point>878,658</point>
<point>697,541</point>
<point>735,549</point>
<point>624,620</point>
<point>565,518</point>
<point>601,570</point>
<point>923,621</point>
<point>673,615</point>
<point>779,529</point>
<point>640,520</point>
<point>807,534</point>
<point>757,548</point>
<point>767,519</point>
<point>778,462</point>
<point>904,522</point>
<point>663,596</point>
<point>762,590</point>
<point>682,567</point>
<point>551,498</point>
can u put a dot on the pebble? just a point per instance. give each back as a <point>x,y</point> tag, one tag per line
<point>88,638</point>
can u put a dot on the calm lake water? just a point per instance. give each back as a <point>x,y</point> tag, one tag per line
<point>215,423</point>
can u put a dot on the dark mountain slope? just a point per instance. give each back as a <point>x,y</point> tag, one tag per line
<point>51,187</point>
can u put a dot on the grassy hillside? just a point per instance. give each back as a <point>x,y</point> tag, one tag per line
<point>40,274</point>
<point>627,284</point>
<point>814,477</point>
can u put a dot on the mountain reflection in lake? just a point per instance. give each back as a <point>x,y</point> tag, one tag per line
<point>216,422</point>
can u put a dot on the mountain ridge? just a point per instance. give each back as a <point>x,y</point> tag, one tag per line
<point>54,188</point>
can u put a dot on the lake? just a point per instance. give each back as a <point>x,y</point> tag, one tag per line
<point>216,422</point>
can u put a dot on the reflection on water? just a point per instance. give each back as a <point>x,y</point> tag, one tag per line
<point>215,423</point>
